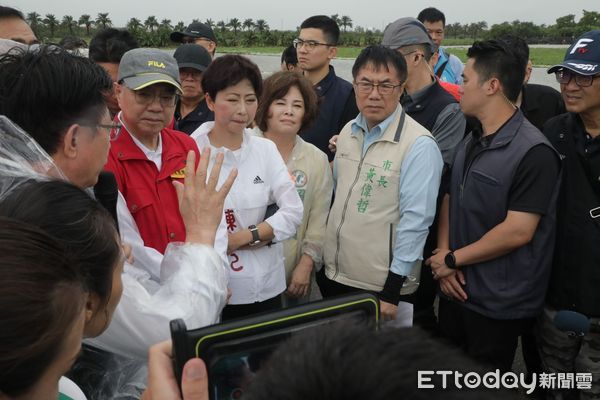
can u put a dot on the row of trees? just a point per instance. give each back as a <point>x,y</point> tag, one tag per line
<point>249,32</point>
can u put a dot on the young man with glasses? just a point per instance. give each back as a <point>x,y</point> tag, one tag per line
<point>387,171</point>
<point>316,46</point>
<point>425,100</point>
<point>575,275</point>
<point>197,33</point>
<point>148,157</point>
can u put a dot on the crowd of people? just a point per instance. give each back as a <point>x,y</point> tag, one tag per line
<point>138,187</point>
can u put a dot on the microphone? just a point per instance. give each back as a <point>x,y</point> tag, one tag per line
<point>571,322</point>
<point>106,191</point>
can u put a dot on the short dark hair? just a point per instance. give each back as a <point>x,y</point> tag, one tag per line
<point>330,28</point>
<point>496,59</point>
<point>431,14</point>
<point>9,12</point>
<point>72,43</point>
<point>85,229</point>
<point>289,55</point>
<point>41,297</point>
<point>348,361</point>
<point>229,70</point>
<point>519,46</point>
<point>380,57</point>
<point>109,45</point>
<point>276,86</point>
<point>47,90</point>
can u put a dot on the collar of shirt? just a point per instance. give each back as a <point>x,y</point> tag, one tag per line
<point>408,100</point>
<point>153,155</point>
<point>360,125</point>
<point>323,86</point>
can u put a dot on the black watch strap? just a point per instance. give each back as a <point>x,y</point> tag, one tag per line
<point>450,260</point>
<point>255,237</point>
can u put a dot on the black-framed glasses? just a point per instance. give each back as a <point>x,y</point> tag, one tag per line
<point>310,44</point>
<point>564,76</point>
<point>146,98</point>
<point>383,88</point>
<point>190,39</point>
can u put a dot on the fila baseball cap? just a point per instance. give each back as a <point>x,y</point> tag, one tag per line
<point>583,56</point>
<point>140,68</point>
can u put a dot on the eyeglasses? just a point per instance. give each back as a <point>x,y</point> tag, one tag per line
<point>410,52</point>
<point>382,88</point>
<point>190,73</point>
<point>145,98</point>
<point>190,39</point>
<point>564,77</point>
<point>310,44</point>
<point>114,130</point>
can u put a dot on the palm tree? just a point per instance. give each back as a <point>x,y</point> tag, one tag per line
<point>34,20</point>
<point>103,20</point>
<point>261,25</point>
<point>51,22</point>
<point>248,24</point>
<point>134,25</point>
<point>166,23</point>
<point>235,24</point>
<point>336,18</point>
<point>86,20</point>
<point>209,22</point>
<point>68,21</point>
<point>180,26</point>
<point>346,22</point>
<point>222,26</point>
<point>151,23</point>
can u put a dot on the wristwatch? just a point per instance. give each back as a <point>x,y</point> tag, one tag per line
<point>255,237</point>
<point>450,260</point>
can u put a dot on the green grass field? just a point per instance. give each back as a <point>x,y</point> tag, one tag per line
<point>540,57</point>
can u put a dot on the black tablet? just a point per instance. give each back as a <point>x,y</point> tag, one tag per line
<point>234,351</point>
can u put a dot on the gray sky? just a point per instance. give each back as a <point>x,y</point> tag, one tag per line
<point>288,14</point>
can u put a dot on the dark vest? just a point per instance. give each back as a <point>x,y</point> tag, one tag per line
<point>575,279</point>
<point>430,105</point>
<point>425,112</point>
<point>512,286</point>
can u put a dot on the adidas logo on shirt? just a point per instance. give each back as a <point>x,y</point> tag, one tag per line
<point>258,180</point>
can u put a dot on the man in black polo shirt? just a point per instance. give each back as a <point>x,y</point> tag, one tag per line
<point>498,219</point>
<point>575,279</point>
<point>191,110</point>
<point>426,101</point>
<point>316,46</point>
<point>538,103</point>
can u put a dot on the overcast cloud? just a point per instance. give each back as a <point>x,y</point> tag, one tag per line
<point>286,14</point>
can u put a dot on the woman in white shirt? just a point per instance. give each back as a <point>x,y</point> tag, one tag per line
<point>232,85</point>
<point>287,106</point>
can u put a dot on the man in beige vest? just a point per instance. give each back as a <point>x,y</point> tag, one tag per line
<point>387,171</point>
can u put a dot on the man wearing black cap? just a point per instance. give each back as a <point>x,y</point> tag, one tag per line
<point>575,275</point>
<point>191,110</point>
<point>197,33</point>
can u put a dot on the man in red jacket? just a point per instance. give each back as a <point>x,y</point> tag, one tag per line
<point>147,157</point>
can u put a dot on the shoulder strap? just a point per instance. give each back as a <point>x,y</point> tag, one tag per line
<point>440,71</point>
